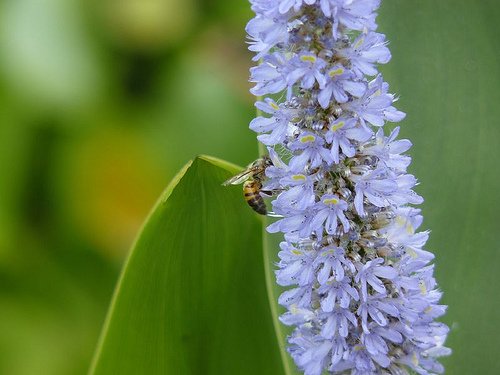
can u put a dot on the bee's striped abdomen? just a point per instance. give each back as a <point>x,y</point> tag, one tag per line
<point>251,190</point>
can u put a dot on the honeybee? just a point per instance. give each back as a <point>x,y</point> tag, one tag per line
<point>252,188</point>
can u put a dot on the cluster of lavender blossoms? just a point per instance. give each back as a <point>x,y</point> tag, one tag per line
<point>364,299</point>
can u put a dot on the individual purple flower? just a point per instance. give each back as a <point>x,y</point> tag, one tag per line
<point>265,33</point>
<point>307,68</point>
<point>276,171</point>
<point>375,106</point>
<point>367,49</point>
<point>332,262</point>
<point>337,322</point>
<point>355,15</point>
<point>328,212</point>
<point>301,192</point>
<point>371,273</point>
<point>278,124</point>
<point>361,361</point>
<point>339,83</point>
<point>298,315</point>
<point>300,297</point>
<point>362,297</point>
<point>296,266</point>
<point>294,221</point>
<point>311,151</point>
<point>404,194</point>
<point>339,348</point>
<point>389,150</point>
<point>376,185</point>
<point>270,75</point>
<point>334,292</point>
<point>375,309</point>
<point>340,134</point>
<point>310,352</point>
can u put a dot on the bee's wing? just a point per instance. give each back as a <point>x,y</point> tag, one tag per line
<point>239,178</point>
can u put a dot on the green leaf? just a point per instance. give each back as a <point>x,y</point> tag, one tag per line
<point>271,247</point>
<point>445,68</point>
<point>192,296</point>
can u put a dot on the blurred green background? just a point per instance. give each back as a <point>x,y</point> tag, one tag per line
<point>101,102</point>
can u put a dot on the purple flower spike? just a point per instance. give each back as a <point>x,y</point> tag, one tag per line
<point>363,299</point>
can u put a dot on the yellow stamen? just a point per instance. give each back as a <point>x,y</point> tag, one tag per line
<point>308,138</point>
<point>333,200</point>
<point>415,359</point>
<point>272,104</point>
<point>296,252</point>
<point>308,58</point>
<point>409,228</point>
<point>327,252</point>
<point>359,42</point>
<point>336,72</point>
<point>299,177</point>
<point>423,288</point>
<point>338,126</point>
<point>401,221</point>
<point>276,161</point>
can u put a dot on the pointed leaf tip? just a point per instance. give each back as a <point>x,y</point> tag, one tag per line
<point>192,296</point>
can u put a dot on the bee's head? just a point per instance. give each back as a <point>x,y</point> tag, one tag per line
<point>267,161</point>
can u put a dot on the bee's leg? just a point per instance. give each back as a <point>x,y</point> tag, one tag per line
<point>270,193</point>
<point>266,193</point>
<point>273,214</point>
